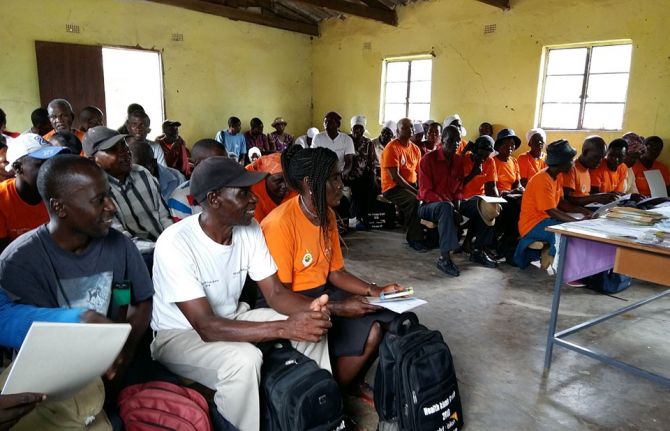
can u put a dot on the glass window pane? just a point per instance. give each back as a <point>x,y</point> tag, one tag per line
<point>614,58</point>
<point>396,92</point>
<point>566,61</point>
<point>419,92</point>
<point>603,116</point>
<point>607,88</point>
<point>560,116</point>
<point>396,71</point>
<point>394,111</point>
<point>563,88</point>
<point>422,70</point>
<point>419,111</point>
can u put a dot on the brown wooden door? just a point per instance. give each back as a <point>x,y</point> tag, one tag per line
<point>72,72</point>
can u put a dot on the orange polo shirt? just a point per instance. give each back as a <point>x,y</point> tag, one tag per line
<point>542,193</point>
<point>476,185</point>
<point>579,180</point>
<point>641,180</point>
<point>78,133</point>
<point>406,159</point>
<point>508,173</point>
<point>303,257</point>
<point>16,216</point>
<point>529,166</point>
<point>607,180</point>
<point>461,146</point>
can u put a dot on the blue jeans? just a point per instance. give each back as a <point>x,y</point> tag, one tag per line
<point>523,256</point>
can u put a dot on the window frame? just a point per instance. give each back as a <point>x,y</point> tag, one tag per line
<point>407,103</point>
<point>585,84</point>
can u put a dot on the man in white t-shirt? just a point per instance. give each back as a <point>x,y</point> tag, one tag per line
<point>202,330</point>
<point>337,141</point>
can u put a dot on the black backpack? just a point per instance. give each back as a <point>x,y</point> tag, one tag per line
<point>295,393</point>
<point>415,385</point>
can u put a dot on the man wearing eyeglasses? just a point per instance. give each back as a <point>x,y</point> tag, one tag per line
<point>142,214</point>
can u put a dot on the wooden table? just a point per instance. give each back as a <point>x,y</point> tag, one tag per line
<point>641,261</point>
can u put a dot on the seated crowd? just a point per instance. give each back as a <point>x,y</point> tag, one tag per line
<point>237,240</point>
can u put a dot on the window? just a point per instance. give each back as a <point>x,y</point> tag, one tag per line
<point>133,76</point>
<point>585,87</point>
<point>406,88</point>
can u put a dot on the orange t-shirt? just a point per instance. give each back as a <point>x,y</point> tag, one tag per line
<point>78,133</point>
<point>542,194</point>
<point>461,146</point>
<point>406,159</point>
<point>579,180</point>
<point>508,173</point>
<point>641,180</point>
<point>16,216</point>
<point>529,166</point>
<point>265,204</point>
<point>608,181</point>
<point>303,257</point>
<point>476,185</point>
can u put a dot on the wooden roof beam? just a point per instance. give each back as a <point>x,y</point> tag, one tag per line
<point>502,4</point>
<point>386,16</point>
<point>242,15</point>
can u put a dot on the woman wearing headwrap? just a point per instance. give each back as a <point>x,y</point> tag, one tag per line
<point>272,191</point>
<point>362,175</point>
<point>531,162</point>
<point>635,149</point>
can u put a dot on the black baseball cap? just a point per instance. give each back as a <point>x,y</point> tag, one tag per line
<point>216,172</point>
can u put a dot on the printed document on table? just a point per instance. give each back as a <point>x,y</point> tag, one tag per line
<point>59,359</point>
<point>656,183</point>
<point>399,306</point>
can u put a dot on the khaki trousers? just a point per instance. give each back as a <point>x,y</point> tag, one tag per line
<point>232,369</point>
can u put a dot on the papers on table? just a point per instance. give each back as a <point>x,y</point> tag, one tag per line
<point>398,305</point>
<point>59,359</point>
<point>656,183</point>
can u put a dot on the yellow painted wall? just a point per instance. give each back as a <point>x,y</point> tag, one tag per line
<point>494,77</point>
<point>222,67</point>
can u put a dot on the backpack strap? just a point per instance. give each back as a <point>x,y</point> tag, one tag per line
<point>401,324</point>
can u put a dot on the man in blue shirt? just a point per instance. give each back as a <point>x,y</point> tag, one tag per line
<point>233,140</point>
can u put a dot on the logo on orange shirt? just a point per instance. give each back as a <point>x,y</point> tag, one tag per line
<point>307,259</point>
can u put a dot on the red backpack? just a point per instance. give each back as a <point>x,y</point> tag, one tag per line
<point>161,405</point>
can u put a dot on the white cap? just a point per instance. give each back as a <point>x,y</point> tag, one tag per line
<point>252,151</point>
<point>30,144</point>
<point>450,119</point>
<point>311,132</point>
<point>391,125</point>
<point>418,127</point>
<point>535,130</point>
<point>359,120</point>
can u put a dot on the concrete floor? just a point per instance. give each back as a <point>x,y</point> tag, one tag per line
<point>495,323</point>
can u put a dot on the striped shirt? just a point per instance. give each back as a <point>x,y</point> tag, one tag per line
<point>141,211</point>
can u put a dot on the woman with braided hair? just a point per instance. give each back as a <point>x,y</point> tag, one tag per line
<point>302,237</point>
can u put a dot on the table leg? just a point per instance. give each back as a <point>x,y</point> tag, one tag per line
<point>555,301</point>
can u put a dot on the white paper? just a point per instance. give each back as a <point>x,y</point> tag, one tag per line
<point>492,200</point>
<point>59,359</point>
<point>656,183</point>
<point>399,306</point>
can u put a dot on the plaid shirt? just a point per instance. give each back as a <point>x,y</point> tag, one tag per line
<point>141,211</point>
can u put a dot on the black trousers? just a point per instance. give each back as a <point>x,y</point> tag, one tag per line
<point>442,213</point>
<point>363,195</point>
